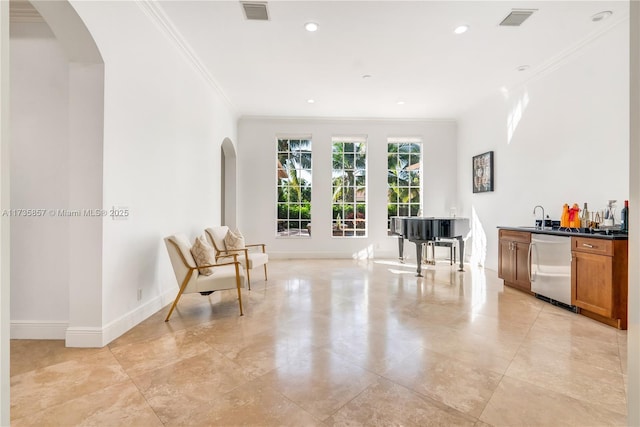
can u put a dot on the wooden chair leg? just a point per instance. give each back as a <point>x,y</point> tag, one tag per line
<point>265,272</point>
<point>248,277</point>
<point>182,287</point>
<point>238,286</point>
<point>175,302</point>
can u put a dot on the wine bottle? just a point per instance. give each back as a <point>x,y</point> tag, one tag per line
<point>585,217</point>
<point>624,223</point>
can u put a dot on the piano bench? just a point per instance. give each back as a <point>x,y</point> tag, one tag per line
<point>452,244</point>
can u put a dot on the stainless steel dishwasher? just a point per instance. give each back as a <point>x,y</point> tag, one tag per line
<point>550,271</point>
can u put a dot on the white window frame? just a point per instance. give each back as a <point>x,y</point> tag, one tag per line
<point>351,226</point>
<point>283,229</point>
<point>420,187</point>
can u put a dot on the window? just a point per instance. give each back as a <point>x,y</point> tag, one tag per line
<point>293,166</point>
<point>404,163</point>
<point>349,187</point>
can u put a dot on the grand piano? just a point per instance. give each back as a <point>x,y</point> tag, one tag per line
<point>421,230</point>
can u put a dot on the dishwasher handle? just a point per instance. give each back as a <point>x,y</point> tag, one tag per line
<point>530,259</point>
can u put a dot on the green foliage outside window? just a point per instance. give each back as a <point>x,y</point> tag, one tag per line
<point>404,160</point>
<point>349,186</point>
<point>294,187</point>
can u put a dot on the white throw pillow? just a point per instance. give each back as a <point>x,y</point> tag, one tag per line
<point>204,254</point>
<point>234,240</point>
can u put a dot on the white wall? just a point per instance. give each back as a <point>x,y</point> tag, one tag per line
<point>39,180</point>
<point>257,178</point>
<point>163,128</point>
<point>160,124</point>
<point>86,113</point>
<point>84,148</point>
<point>571,144</point>
<point>57,110</point>
<point>5,190</point>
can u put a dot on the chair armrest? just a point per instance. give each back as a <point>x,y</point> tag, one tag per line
<point>255,245</point>
<point>215,265</point>
<point>235,260</point>
<point>228,251</point>
<point>192,269</point>
<point>235,256</point>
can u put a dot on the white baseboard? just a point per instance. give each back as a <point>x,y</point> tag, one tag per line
<point>32,330</point>
<point>84,336</point>
<point>87,336</point>
<point>409,253</point>
<point>118,327</point>
<point>334,255</point>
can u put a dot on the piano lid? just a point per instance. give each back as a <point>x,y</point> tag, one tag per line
<point>430,228</point>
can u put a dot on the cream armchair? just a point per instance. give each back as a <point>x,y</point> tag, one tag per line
<point>226,275</point>
<point>250,257</point>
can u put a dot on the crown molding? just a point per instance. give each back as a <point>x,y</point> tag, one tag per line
<point>557,61</point>
<point>155,12</point>
<point>550,65</point>
<point>346,119</point>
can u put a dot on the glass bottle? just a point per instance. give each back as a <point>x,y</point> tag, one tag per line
<point>564,219</point>
<point>624,223</point>
<point>585,222</point>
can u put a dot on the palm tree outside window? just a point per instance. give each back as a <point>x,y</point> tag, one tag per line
<point>293,180</point>
<point>349,187</point>
<point>404,165</point>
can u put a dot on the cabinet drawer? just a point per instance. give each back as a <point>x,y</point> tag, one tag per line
<point>516,236</point>
<point>592,246</point>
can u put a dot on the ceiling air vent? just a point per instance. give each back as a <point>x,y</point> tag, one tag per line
<point>23,11</point>
<point>255,11</point>
<point>517,17</point>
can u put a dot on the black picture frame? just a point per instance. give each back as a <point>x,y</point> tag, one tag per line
<point>482,172</point>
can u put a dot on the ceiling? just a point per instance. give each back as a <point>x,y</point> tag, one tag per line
<point>418,67</point>
<point>271,68</point>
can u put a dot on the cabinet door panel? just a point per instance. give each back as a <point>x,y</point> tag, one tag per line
<point>591,282</point>
<point>513,259</point>
<point>506,266</point>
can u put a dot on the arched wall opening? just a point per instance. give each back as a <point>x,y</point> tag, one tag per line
<point>57,114</point>
<point>228,181</point>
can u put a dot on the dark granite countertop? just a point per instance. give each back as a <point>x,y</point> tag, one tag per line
<point>596,234</point>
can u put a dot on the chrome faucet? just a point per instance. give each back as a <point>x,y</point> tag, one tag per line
<point>534,212</point>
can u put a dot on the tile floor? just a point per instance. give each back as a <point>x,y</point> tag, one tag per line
<point>333,343</point>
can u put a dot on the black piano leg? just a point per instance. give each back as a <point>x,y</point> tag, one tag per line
<point>401,247</point>
<point>419,258</point>
<point>461,246</point>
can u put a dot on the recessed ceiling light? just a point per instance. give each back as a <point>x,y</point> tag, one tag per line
<point>366,76</point>
<point>523,68</point>
<point>311,101</point>
<point>311,27</point>
<point>400,102</point>
<point>601,16</point>
<point>461,29</point>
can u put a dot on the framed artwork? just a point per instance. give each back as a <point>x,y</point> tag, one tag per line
<point>483,172</point>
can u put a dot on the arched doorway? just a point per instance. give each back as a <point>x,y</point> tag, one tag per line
<point>228,183</point>
<point>56,166</point>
